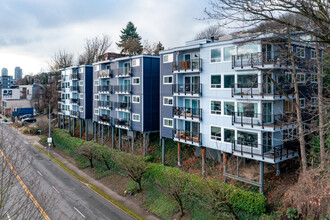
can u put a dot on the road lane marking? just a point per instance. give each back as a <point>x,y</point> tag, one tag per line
<point>41,210</point>
<point>55,189</point>
<point>39,172</point>
<point>79,212</point>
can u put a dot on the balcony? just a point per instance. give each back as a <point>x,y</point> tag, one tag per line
<point>267,153</point>
<point>74,113</point>
<point>187,113</point>
<point>191,89</point>
<point>104,74</point>
<point>74,76</point>
<point>104,104</point>
<point>262,90</point>
<point>122,89</point>
<point>104,89</point>
<point>194,65</point>
<point>105,119</point>
<point>126,106</point>
<point>187,137</point>
<point>264,120</point>
<point>123,123</point>
<point>75,101</point>
<point>74,89</point>
<point>123,72</point>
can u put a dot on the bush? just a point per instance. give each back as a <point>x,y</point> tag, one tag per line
<point>25,131</point>
<point>43,140</point>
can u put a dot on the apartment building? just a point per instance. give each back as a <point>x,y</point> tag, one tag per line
<point>126,96</point>
<point>220,97</point>
<point>75,102</point>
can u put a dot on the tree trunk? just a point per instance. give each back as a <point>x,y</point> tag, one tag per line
<point>139,185</point>
<point>320,102</point>
<point>91,162</point>
<point>301,136</point>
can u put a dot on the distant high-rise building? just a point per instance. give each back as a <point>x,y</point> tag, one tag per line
<point>4,72</point>
<point>18,73</point>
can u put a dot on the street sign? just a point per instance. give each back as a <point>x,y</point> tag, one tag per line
<point>49,140</point>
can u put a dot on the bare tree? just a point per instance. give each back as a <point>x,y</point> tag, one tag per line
<point>95,49</point>
<point>61,59</point>
<point>153,48</point>
<point>213,31</point>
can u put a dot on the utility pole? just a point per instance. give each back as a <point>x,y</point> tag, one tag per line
<point>49,138</point>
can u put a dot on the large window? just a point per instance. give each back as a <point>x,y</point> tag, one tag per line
<point>215,133</point>
<point>313,54</point>
<point>168,79</point>
<point>247,138</point>
<point>247,49</point>
<point>168,101</point>
<point>288,106</point>
<point>300,52</point>
<point>247,109</point>
<point>247,81</point>
<point>300,77</point>
<point>215,55</point>
<point>215,107</point>
<point>136,99</point>
<point>136,117</point>
<point>229,108</point>
<point>168,58</point>
<point>168,122</point>
<point>229,81</point>
<point>228,52</point>
<point>96,111</point>
<point>229,135</point>
<point>215,81</point>
<point>136,62</point>
<point>136,81</point>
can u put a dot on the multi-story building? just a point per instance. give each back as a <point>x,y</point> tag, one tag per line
<point>75,102</point>
<point>4,72</point>
<point>126,95</point>
<point>220,96</point>
<point>18,73</point>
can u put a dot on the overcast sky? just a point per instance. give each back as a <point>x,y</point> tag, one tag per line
<point>31,31</point>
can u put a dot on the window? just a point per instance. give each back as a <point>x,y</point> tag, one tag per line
<point>136,117</point>
<point>168,58</point>
<point>313,78</point>
<point>229,135</point>
<point>81,95</point>
<point>81,108</point>
<point>300,77</point>
<point>229,81</point>
<point>136,80</point>
<point>136,99</point>
<point>96,97</point>
<point>215,55</point>
<point>313,54</point>
<point>168,79</point>
<point>288,106</point>
<point>136,62</point>
<point>215,107</point>
<point>168,101</point>
<point>81,70</point>
<point>247,109</point>
<point>215,81</point>
<point>96,111</point>
<point>168,122</point>
<point>300,52</point>
<point>228,52</point>
<point>302,102</point>
<point>247,49</point>
<point>215,133</point>
<point>96,68</point>
<point>96,82</point>
<point>229,108</point>
<point>314,102</point>
<point>81,83</point>
<point>247,138</point>
<point>247,81</point>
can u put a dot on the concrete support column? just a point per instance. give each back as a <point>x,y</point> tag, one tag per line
<point>237,166</point>
<point>80,128</point>
<point>59,121</point>
<point>86,130</point>
<point>120,144</point>
<point>133,142</point>
<point>108,130</point>
<point>63,122</point>
<point>278,169</point>
<point>94,131</point>
<point>99,132</point>
<point>145,143</point>
<point>261,178</point>
<point>163,151</point>
<point>224,159</point>
<point>113,137</point>
<point>203,160</point>
<point>73,126</point>
<point>244,161</point>
<point>69,128</point>
<point>102,134</point>
<point>179,155</point>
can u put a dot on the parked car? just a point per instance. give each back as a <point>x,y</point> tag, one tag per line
<point>29,120</point>
<point>24,116</point>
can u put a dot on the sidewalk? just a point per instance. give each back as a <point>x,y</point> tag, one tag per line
<point>34,140</point>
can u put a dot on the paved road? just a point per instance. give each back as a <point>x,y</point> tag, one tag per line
<point>72,199</point>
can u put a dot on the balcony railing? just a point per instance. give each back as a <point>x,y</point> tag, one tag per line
<point>123,123</point>
<point>262,89</point>
<point>190,65</point>
<point>74,88</point>
<point>187,112</point>
<point>123,105</point>
<point>74,113</point>
<point>104,88</point>
<point>105,118</point>
<point>105,73</point>
<point>122,88</point>
<point>187,89</point>
<point>74,76</point>
<point>188,136</point>
<point>278,152</point>
<point>123,71</point>
<point>75,101</point>
<point>264,120</point>
<point>104,104</point>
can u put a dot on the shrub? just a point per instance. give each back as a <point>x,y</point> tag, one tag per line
<point>43,140</point>
<point>25,131</point>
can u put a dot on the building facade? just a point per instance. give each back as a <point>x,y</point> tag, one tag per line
<point>18,73</point>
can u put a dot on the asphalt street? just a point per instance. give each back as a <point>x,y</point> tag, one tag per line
<point>62,195</point>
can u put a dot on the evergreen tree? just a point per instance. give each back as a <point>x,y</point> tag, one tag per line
<point>130,40</point>
<point>159,47</point>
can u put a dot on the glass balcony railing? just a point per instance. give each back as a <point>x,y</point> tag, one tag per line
<point>187,112</point>
<point>190,65</point>
<point>187,89</point>
<point>262,89</point>
<point>74,89</point>
<point>187,136</point>
<point>123,71</point>
<point>104,104</point>
<point>74,76</point>
<point>123,105</point>
<point>122,88</point>
<point>105,118</point>
<point>123,123</point>
<point>104,88</point>
<point>105,73</point>
<point>74,113</point>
